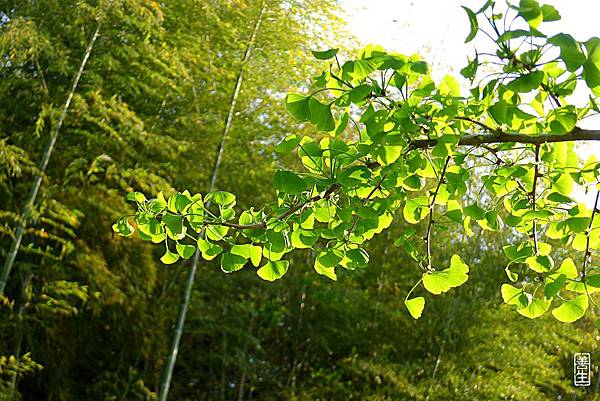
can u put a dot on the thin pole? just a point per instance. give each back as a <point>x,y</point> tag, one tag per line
<point>189,284</point>
<point>37,180</point>
<point>20,330</point>
<point>234,96</point>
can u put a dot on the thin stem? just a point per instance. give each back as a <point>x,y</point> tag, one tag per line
<point>313,160</point>
<point>413,288</point>
<point>480,124</point>
<point>536,174</point>
<point>588,254</point>
<point>234,97</point>
<point>364,201</point>
<point>340,80</point>
<point>431,205</point>
<point>263,224</point>
<point>42,78</point>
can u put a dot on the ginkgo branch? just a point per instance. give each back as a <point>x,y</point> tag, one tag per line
<point>577,134</point>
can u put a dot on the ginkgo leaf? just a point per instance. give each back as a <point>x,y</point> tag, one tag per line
<point>231,263</point>
<point>515,296</point>
<point>438,282</point>
<point>571,310</point>
<point>185,251</point>
<point>273,270</point>
<point>536,308</point>
<point>415,306</point>
<point>208,249</point>
<point>169,258</point>
<point>248,251</point>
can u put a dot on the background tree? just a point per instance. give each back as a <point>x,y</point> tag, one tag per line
<point>146,94</point>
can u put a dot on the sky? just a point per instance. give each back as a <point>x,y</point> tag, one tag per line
<point>437,29</point>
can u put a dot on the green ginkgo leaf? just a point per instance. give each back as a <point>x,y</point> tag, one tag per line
<point>568,268</point>
<point>571,52</point>
<point>531,11</point>
<point>123,227</point>
<point>571,310</point>
<point>297,105</point>
<point>208,249</point>
<point>415,209</point>
<point>289,183</point>
<point>185,251</point>
<point>320,115</point>
<point>593,280</point>
<point>136,197</point>
<point>474,24</point>
<point>174,226</point>
<point>415,306</point>
<point>553,284</point>
<point>273,270</point>
<point>231,263</point>
<point>526,83</point>
<point>288,144</point>
<point>539,264</point>
<point>324,54</point>
<point>221,198</point>
<point>438,282</point>
<point>327,271</point>
<point>248,251</point>
<point>169,257</point>
<point>536,308</point>
<point>515,296</point>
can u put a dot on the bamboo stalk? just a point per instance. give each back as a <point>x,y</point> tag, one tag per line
<point>234,96</point>
<point>189,284</point>
<point>20,329</point>
<point>37,180</point>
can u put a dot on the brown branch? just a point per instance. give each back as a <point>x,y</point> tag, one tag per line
<point>552,95</point>
<point>577,134</point>
<point>375,189</point>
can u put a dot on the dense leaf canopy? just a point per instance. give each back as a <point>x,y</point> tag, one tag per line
<point>395,143</point>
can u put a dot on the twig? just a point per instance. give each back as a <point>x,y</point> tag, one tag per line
<point>364,201</point>
<point>533,196</point>
<point>263,224</point>
<point>588,254</point>
<point>431,205</point>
